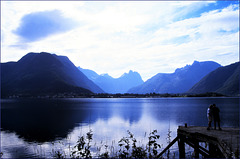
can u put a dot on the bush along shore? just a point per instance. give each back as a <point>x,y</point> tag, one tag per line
<point>128,147</point>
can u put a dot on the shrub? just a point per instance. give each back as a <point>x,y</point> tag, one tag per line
<point>128,148</point>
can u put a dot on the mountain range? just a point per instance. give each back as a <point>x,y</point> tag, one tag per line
<point>49,74</point>
<point>114,85</point>
<point>224,80</point>
<point>178,82</point>
<point>44,73</point>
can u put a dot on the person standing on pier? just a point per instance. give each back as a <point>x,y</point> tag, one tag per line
<point>209,116</point>
<point>216,117</point>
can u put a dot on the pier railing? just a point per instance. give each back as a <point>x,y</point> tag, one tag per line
<point>221,143</point>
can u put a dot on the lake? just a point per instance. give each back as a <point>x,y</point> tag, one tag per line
<point>37,127</point>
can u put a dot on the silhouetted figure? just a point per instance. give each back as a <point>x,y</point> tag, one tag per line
<point>209,116</point>
<point>216,117</point>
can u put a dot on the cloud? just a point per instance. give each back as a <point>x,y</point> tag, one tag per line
<point>148,37</point>
<point>20,46</point>
<point>38,25</point>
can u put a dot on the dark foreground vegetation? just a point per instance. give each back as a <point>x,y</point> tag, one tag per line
<point>128,147</point>
<point>107,95</point>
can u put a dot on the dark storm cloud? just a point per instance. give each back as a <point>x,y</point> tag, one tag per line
<point>38,25</point>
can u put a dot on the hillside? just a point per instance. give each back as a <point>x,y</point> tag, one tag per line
<point>44,73</point>
<point>224,80</point>
<point>178,82</point>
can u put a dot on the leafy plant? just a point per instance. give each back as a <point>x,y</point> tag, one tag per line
<point>124,147</point>
<point>153,146</point>
<point>134,151</point>
<point>105,154</point>
<point>137,151</point>
<point>83,148</point>
<point>128,148</point>
<point>58,154</point>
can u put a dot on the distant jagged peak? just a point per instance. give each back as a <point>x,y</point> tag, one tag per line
<point>198,64</point>
<point>195,62</point>
<point>182,68</point>
<point>130,72</point>
<point>133,72</point>
<point>205,62</point>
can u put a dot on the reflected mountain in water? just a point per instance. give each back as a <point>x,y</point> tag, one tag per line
<point>47,120</point>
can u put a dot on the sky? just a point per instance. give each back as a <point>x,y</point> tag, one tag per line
<point>117,36</point>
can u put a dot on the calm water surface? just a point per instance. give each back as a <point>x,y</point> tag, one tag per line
<point>35,127</point>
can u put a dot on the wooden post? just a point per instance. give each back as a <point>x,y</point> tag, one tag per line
<point>196,148</point>
<point>181,147</point>
<point>221,144</point>
<point>212,150</point>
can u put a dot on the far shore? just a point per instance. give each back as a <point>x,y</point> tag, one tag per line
<point>118,95</point>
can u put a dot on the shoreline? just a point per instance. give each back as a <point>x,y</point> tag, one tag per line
<point>118,95</point>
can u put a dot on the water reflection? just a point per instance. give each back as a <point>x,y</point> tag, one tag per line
<point>46,120</point>
<point>105,132</point>
<point>37,124</point>
<point>193,110</point>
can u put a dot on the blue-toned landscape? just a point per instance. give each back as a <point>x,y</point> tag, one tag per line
<point>39,125</point>
<point>48,75</point>
<point>119,79</point>
<point>47,103</point>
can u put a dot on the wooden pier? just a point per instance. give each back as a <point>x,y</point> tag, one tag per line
<point>221,144</point>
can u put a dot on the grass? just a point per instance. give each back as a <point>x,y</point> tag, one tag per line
<point>128,147</point>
